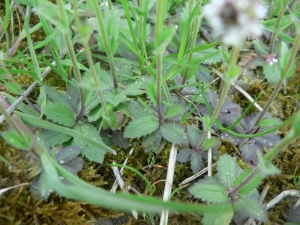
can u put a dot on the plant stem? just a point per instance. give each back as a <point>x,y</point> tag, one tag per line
<point>97,85</point>
<point>85,41</point>
<point>109,4</point>
<point>227,82</point>
<point>291,136</point>
<point>106,42</point>
<point>278,20</point>
<point>280,82</point>
<point>17,124</point>
<point>193,43</point>
<point>8,118</point>
<point>142,20</point>
<point>251,176</point>
<point>160,6</point>
<point>72,54</point>
<point>133,35</point>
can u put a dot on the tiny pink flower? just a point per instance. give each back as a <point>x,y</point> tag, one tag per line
<point>271,59</point>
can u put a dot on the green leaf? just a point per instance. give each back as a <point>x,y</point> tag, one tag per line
<point>249,207</point>
<point>73,95</point>
<point>151,92</point>
<point>196,161</point>
<point>141,126</point>
<point>139,110</point>
<point>68,62</point>
<point>67,154</point>
<point>228,171</point>
<point>44,189</point>
<point>166,36</point>
<point>221,216</point>
<point>112,118</point>
<point>195,135</point>
<point>234,72</point>
<point>296,127</point>
<point>210,190</point>
<point>83,191</point>
<point>272,73</point>
<point>266,167</point>
<point>42,99</point>
<point>211,143</point>
<point>112,28</point>
<point>92,152</point>
<point>13,88</point>
<point>254,183</point>
<point>114,97</point>
<point>173,111</point>
<point>14,139</point>
<point>284,55</point>
<point>260,47</point>
<point>153,142</point>
<point>95,114</point>
<point>34,121</point>
<point>59,113</point>
<point>57,96</point>
<point>91,102</point>
<point>174,133</point>
<point>51,138</point>
<point>22,107</point>
<point>207,123</point>
<point>50,12</point>
<point>266,122</point>
<point>136,88</point>
<point>85,32</point>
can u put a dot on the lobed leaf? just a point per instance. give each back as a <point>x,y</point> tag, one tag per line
<point>209,189</point>
<point>184,155</point>
<point>60,113</point>
<point>92,152</point>
<point>67,154</point>
<point>195,135</point>
<point>52,138</point>
<point>228,171</point>
<point>254,183</point>
<point>151,92</point>
<point>141,126</point>
<point>266,167</point>
<point>221,216</point>
<point>196,161</point>
<point>138,110</point>
<point>173,133</point>
<point>57,96</point>
<point>211,143</point>
<point>246,207</point>
<point>272,73</point>
<point>250,150</point>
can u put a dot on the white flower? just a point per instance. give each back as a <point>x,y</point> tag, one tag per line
<point>232,20</point>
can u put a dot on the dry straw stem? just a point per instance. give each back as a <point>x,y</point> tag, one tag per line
<point>169,183</point>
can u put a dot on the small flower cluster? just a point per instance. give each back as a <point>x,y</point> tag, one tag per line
<point>232,20</point>
<point>271,59</point>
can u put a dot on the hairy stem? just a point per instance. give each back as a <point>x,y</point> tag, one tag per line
<point>278,20</point>
<point>72,54</point>
<point>106,42</point>
<point>280,82</point>
<point>133,34</point>
<point>193,43</point>
<point>292,135</point>
<point>160,14</point>
<point>227,82</point>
